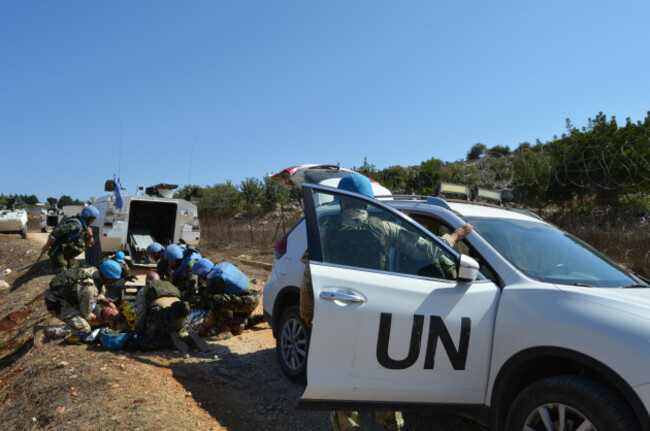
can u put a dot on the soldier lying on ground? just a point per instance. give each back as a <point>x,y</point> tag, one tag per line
<point>229,295</point>
<point>76,296</point>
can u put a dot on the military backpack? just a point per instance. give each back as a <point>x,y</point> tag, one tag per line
<point>159,289</point>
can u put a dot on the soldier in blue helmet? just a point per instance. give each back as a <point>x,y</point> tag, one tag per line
<point>156,252</point>
<point>76,296</point>
<point>375,237</point>
<point>69,239</point>
<point>125,276</point>
<point>181,261</point>
<point>229,294</point>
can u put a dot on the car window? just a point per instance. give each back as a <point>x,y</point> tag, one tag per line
<point>439,228</point>
<point>547,254</point>
<point>358,234</point>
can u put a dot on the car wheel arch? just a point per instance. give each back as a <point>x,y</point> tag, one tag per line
<point>531,365</point>
<point>288,296</point>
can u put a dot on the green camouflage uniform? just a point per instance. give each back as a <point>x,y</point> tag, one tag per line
<point>186,282</point>
<point>229,308</point>
<point>65,249</point>
<point>71,297</point>
<point>376,236</point>
<point>154,313</point>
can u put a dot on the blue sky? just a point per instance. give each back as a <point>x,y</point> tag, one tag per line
<point>206,91</point>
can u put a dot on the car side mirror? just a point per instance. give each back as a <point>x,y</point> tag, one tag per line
<point>467,269</point>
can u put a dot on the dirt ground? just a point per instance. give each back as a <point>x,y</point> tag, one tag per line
<point>236,385</point>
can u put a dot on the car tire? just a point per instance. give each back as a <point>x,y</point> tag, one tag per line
<point>292,344</point>
<point>570,399</point>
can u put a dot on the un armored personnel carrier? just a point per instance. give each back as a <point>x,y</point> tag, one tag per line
<point>13,221</point>
<point>151,215</point>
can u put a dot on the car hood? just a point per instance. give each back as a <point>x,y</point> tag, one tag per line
<point>634,301</point>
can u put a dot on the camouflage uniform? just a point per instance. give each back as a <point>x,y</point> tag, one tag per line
<point>229,309</point>
<point>376,236</point>
<point>154,313</point>
<point>72,297</point>
<point>356,226</point>
<point>69,239</point>
<point>183,277</point>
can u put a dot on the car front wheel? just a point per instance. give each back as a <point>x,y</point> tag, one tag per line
<point>293,344</point>
<point>569,403</point>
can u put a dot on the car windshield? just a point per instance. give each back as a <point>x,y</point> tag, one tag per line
<point>547,254</point>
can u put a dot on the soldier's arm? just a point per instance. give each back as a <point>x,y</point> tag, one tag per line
<point>140,310</point>
<point>87,297</point>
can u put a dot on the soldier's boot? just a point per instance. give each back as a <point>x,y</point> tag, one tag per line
<point>194,340</point>
<point>178,343</point>
<point>255,319</point>
<point>237,325</point>
<point>222,334</point>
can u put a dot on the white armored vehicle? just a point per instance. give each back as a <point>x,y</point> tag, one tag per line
<point>14,221</point>
<point>151,215</point>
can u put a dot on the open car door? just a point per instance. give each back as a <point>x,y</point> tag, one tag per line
<point>396,328</point>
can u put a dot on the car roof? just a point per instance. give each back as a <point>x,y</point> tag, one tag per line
<point>470,209</point>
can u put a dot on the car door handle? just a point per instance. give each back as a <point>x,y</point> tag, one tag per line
<point>343,297</point>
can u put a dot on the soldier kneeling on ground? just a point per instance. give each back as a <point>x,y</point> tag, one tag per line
<point>230,296</point>
<point>76,297</point>
<point>161,315</point>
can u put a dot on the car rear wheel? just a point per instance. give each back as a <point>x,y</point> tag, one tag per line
<point>569,403</point>
<point>293,344</point>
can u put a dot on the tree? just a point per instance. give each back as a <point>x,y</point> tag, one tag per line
<point>476,151</point>
<point>65,200</point>
<point>52,201</point>
<point>274,193</point>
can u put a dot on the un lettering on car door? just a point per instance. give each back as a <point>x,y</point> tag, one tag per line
<point>437,331</point>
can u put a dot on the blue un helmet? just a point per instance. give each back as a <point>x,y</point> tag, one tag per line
<point>89,212</point>
<point>111,269</point>
<point>202,267</point>
<point>120,256</point>
<point>357,183</point>
<point>154,247</point>
<point>173,252</point>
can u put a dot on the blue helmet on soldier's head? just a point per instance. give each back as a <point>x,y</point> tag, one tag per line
<point>120,256</point>
<point>154,247</point>
<point>89,212</point>
<point>357,183</point>
<point>173,252</point>
<point>202,267</point>
<point>111,269</point>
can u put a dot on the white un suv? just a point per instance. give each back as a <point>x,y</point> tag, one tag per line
<point>547,334</point>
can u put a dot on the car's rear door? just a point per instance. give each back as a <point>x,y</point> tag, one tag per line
<point>404,332</point>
